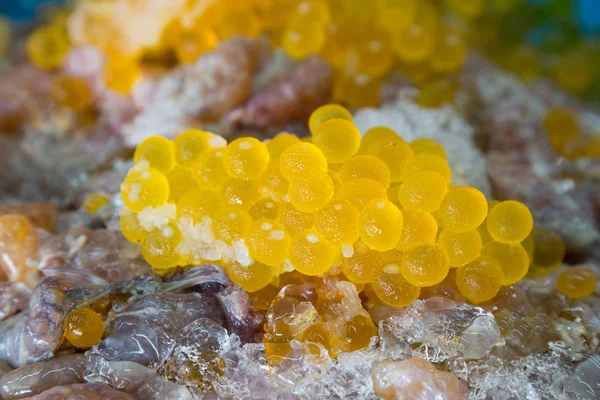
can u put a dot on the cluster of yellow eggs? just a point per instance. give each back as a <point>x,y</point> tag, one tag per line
<point>362,40</point>
<point>369,208</point>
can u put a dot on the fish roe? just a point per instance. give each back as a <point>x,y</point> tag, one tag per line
<point>303,37</point>
<point>375,134</point>
<point>190,146</point>
<point>426,162</point>
<point>279,143</point>
<point>380,225</point>
<point>311,254</point>
<point>231,224</point>
<point>394,153</point>
<point>548,250</point>
<point>423,191</point>
<point>251,278</point>
<point>326,113</point>
<point>268,241</point>
<point>301,158</point>
<point>84,328</point>
<point>462,209</point>
<point>294,221</point>
<point>509,222</point>
<point>365,166</point>
<point>240,193</point>
<point>145,188</point>
<point>361,191</point>
<point>461,247</point>
<point>480,280</point>
<point>359,262</point>
<point>265,208</point>
<point>338,222</point>
<point>209,171</point>
<point>160,247</point>
<point>417,228</point>
<point>391,288</point>
<point>180,183</point>
<point>93,202</point>
<point>158,151</point>
<point>198,203</point>
<point>246,158</point>
<point>272,184</point>
<point>513,260</point>
<point>425,145</point>
<point>576,282</point>
<point>424,265</point>
<point>338,139</point>
<point>309,193</point>
<point>130,226</point>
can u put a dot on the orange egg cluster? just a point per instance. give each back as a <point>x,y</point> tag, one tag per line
<point>369,207</point>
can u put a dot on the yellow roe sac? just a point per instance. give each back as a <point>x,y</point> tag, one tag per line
<point>47,46</point>
<point>160,247</point>
<point>380,225</point>
<point>426,162</point>
<point>461,247</point>
<point>394,153</point>
<point>391,288</point>
<point>361,265</point>
<point>231,224</point>
<point>130,226</point>
<point>338,222</point>
<point>240,193</point>
<point>509,222</point>
<point>309,193</point>
<point>279,143</point>
<point>427,146</point>
<point>84,328</point>
<point>71,92</point>
<point>376,134</point>
<point>198,203</point>
<point>462,209</point>
<point>301,159</point>
<point>365,166</point>
<point>576,282</point>
<point>180,182</point>
<point>251,278</point>
<point>325,113</point>
<point>417,228</point>
<point>311,254</point>
<point>294,221</point>
<point>424,265</point>
<point>265,208</point>
<point>360,191</point>
<point>480,280</point>
<point>303,37</point>
<point>513,260</point>
<point>159,153</point>
<point>190,146</point>
<point>450,50</point>
<point>549,250</point>
<point>268,242</point>
<point>146,188</point>
<point>338,139</point>
<point>209,171</point>
<point>423,191</point>
<point>246,158</point>
<point>415,43</point>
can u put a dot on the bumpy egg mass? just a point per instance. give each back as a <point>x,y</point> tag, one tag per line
<point>462,209</point>
<point>338,139</point>
<point>365,166</point>
<point>423,191</point>
<point>268,242</point>
<point>509,222</point>
<point>380,225</point>
<point>246,158</point>
<point>159,153</point>
<point>311,254</point>
<point>424,265</point>
<point>417,228</point>
<point>326,113</point>
<point>513,260</point>
<point>391,288</point>
<point>461,247</point>
<point>301,159</point>
<point>480,280</point>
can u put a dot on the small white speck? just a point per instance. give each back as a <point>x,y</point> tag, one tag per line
<point>392,269</point>
<point>168,232</point>
<point>245,145</point>
<point>219,154</point>
<point>347,250</point>
<point>217,141</point>
<point>145,175</point>
<point>266,226</point>
<point>269,205</point>
<point>381,204</point>
<point>312,238</point>
<point>232,215</point>
<point>338,207</point>
<point>276,235</point>
<point>286,198</point>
